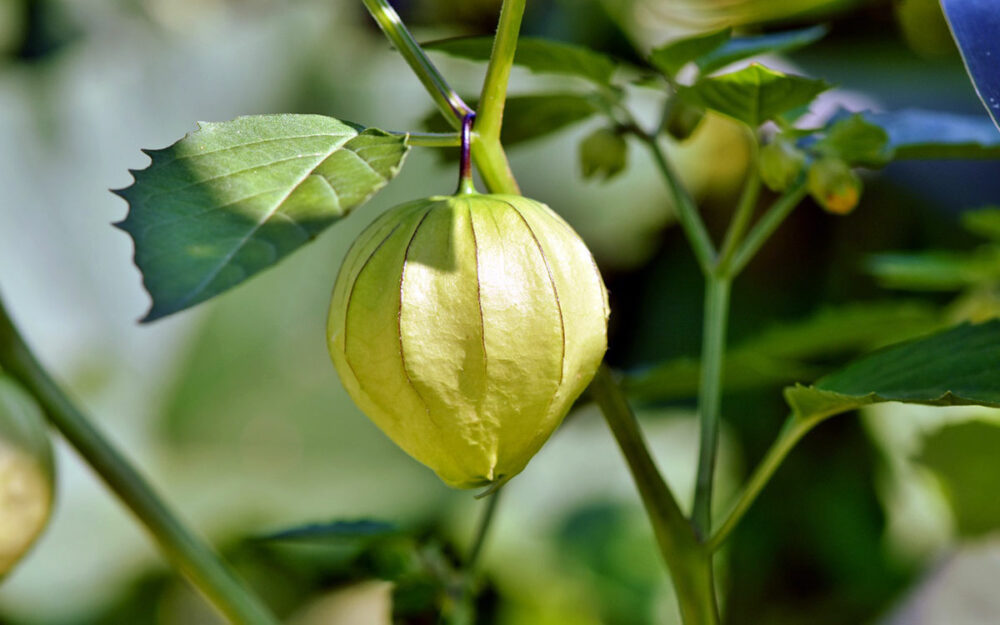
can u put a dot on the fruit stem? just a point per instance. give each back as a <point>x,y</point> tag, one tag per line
<point>760,233</point>
<point>187,551</point>
<point>465,183</point>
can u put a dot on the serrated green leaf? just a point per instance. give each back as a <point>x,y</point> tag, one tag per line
<point>936,270</point>
<point>603,153</point>
<point>362,529</point>
<point>542,56</point>
<point>957,367</point>
<point>963,456</point>
<point>984,222</point>
<point>753,95</point>
<point>918,134</point>
<point>788,352</point>
<point>528,117</point>
<point>671,57</point>
<point>233,198</point>
<point>856,141</point>
<point>739,48</point>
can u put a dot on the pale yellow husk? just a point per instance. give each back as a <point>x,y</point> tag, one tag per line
<point>465,327</point>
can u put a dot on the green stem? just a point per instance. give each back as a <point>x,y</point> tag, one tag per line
<point>689,564</point>
<point>791,433</point>
<point>774,217</point>
<point>494,93</point>
<point>687,210</point>
<point>485,522</point>
<point>713,353</point>
<point>189,553</point>
<point>744,211</point>
<point>447,100</point>
<point>432,139</point>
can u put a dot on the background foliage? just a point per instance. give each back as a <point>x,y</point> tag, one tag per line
<point>234,409</point>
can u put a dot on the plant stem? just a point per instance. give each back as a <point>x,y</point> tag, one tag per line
<point>451,105</point>
<point>189,553</point>
<point>774,217</point>
<point>485,522</point>
<point>793,430</point>
<point>432,139</point>
<point>713,353</point>
<point>744,210</point>
<point>494,93</point>
<point>687,210</point>
<point>689,564</point>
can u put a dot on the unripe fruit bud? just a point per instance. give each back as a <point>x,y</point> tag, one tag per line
<point>603,153</point>
<point>834,185</point>
<point>26,470</point>
<point>781,164</point>
<point>683,119</point>
<point>465,327</point>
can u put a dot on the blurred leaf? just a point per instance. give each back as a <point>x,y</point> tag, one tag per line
<point>527,118</point>
<point>233,198</point>
<point>753,95</point>
<point>957,367</point>
<point>975,24</point>
<point>670,58</point>
<point>915,133</point>
<point>543,56</point>
<point>791,352</point>
<point>857,142</point>
<point>603,153</point>
<point>739,48</point>
<point>936,270</point>
<point>984,222</point>
<point>964,457</point>
<point>336,530</point>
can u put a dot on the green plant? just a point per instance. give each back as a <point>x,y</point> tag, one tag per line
<point>233,198</point>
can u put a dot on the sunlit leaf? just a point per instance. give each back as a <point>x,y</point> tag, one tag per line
<point>754,94</point>
<point>543,56</point>
<point>957,367</point>
<point>964,456</point>
<point>233,198</point>
<point>739,48</point>
<point>671,57</point>
<point>984,222</point>
<point>975,24</point>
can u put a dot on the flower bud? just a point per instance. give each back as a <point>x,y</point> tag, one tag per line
<point>465,327</point>
<point>781,164</point>
<point>834,185</point>
<point>26,470</point>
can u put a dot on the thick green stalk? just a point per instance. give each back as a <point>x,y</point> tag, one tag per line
<point>713,353</point>
<point>791,433</point>
<point>188,552</point>
<point>689,564</point>
<point>489,117</point>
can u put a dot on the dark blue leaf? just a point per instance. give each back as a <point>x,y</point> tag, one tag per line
<point>975,25</point>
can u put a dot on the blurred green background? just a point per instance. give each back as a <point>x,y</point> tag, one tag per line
<point>235,411</point>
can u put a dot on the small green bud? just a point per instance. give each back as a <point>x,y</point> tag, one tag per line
<point>26,473</point>
<point>834,185</point>
<point>781,164</point>
<point>465,327</point>
<point>603,153</point>
<point>683,119</point>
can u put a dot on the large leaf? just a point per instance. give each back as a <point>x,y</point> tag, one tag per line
<point>789,352</point>
<point>671,57</point>
<point>960,366</point>
<point>739,48</point>
<point>856,141</point>
<point>975,24</point>
<point>964,456</point>
<point>915,133</point>
<point>755,94</point>
<point>543,56</point>
<point>233,198</point>
<point>936,270</point>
